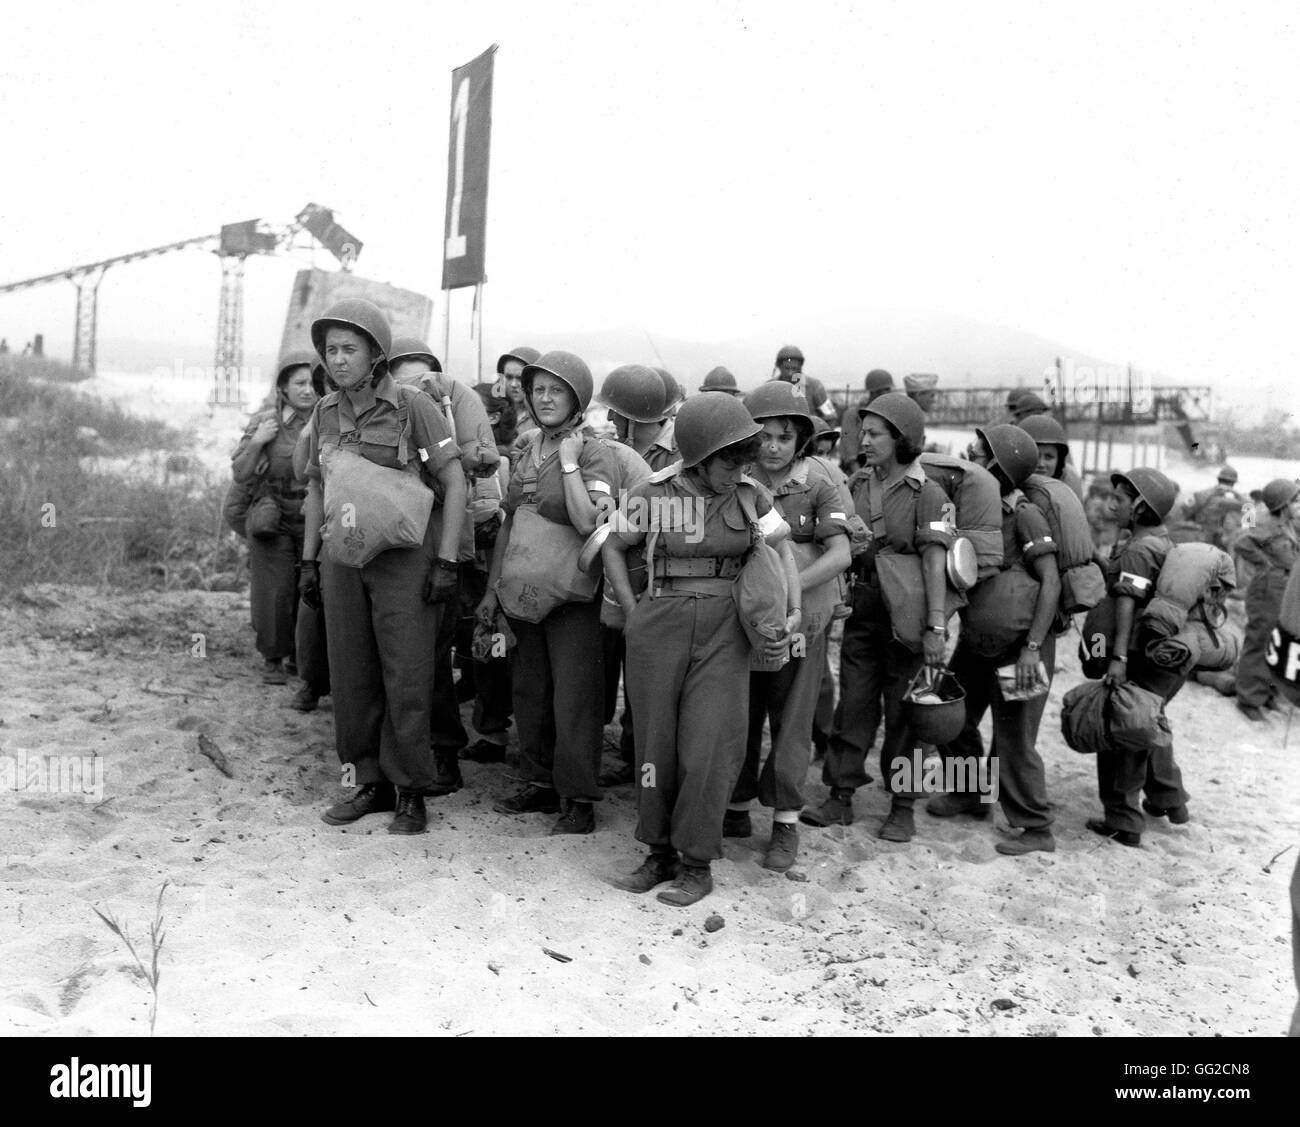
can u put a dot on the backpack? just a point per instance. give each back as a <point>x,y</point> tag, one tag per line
<point>978,500</point>
<point>1194,582</point>
<point>1083,585</point>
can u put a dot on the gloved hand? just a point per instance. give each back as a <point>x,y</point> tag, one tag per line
<point>309,584</point>
<point>442,584</point>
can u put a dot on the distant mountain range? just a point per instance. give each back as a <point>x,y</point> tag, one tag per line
<point>839,351</point>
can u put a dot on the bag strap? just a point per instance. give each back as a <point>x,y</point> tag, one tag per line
<point>751,515</point>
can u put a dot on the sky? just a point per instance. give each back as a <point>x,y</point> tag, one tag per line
<point>1121,177</point>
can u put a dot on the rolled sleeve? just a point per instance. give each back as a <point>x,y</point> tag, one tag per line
<point>433,439</point>
<point>598,468</point>
<point>1138,569</point>
<point>1034,534</point>
<point>830,513</point>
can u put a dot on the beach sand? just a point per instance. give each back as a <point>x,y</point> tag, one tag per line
<point>278,924</point>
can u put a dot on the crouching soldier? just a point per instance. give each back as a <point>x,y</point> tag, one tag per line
<point>1007,626</point>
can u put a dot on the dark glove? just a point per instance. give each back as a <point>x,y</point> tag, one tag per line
<point>442,584</point>
<point>309,584</point>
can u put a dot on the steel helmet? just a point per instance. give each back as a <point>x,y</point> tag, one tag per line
<point>671,386</point>
<point>635,392</point>
<point>299,358</point>
<point>1228,475</point>
<point>776,399</point>
<point>707,423</point>
<point>935,706</point>
<point>897,409</point>
<point>564,366</point>
<point>523,354</point>
<point>359,315</point>
<point>1151,486</point>
<point>1028,404</point>
<point>719,379</point>
<point>879,380</point>
<point>412,348</point>
<point>788,352</point>
<point>1279,493</point>
<point>823,429</point>
<point>1014,451</point>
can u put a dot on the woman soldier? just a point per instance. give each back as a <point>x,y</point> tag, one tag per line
<point>687,653</point>
<point>1140,501</point>
<point>907,513</point>
<point>558,667</point>
<point>265,452</point>
<point>990,644</point>
<point>1271,549</point>
<point>812,505</point>
<point>381,618</point>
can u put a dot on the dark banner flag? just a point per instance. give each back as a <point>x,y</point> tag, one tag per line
<point>465,232</point>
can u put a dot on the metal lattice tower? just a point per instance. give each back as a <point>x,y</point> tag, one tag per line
<point>83,341</point>
<point>228,364</point>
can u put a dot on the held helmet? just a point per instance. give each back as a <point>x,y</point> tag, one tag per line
<point>523,354</point>
<point>1014,451</point>
<point>719,379</point>
<point>564,366</point>
<point>1279,493</point>
<point>1046,431</point>
<point>635,392</point>
<point>299,358</point>
<point>935,706</point>
<point>361,316</point>
<point>900,412</point>
<point>707,423</point>
<point>1151,486</point>
<point>412,348</point>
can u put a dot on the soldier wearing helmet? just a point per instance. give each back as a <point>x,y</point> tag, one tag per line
<point>1007,623</point>
<point>639,402</point>
<point>816,508</point>
<point>688,655</point>
<point>876,384</point>
<point>563,478</point>
<point>510,371</point>
<point>789,368</point>
<point>382,618</point>
<point>1140,501</point>
<point>1270,548</point>
<point>263,460</point>
<point>908,515</point>
<point>413,363</point>
<point>1217,510</point>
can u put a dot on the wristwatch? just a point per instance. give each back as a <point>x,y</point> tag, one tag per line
<point>568,467</point>
<point>447,565</point>
<point>1033,647</point>
<point>942,631</point>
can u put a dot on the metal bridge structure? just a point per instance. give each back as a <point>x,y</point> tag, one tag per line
<point>233,245</point>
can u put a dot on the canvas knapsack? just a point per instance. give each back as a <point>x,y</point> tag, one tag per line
<point>1194,580</point>
<point>977,499</point>
<point>1083,585</point>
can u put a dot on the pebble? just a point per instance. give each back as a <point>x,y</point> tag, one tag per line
<point>714,923</point>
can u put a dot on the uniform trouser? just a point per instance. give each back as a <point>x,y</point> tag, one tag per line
<point>1022,781</point>
<point>616,664</point>
<point>310,637</point>
<point>1255,685</point>
<point>492,702</point>
<point>558,675</point>
<point>381,636</point>
<point>824,717</point>
<point>447,733</point>
<point>273,592</point>
<point>873,667</point>
<point>1122,774</point>
<point>688,681</point>
<point>787,699</point>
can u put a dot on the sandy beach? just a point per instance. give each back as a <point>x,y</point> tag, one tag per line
<point>279,924</point>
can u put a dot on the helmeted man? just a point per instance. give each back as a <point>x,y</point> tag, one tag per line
<point>789,367</point>
<point>720,379</point>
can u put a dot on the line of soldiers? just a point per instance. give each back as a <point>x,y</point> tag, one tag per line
<point>674,504</point>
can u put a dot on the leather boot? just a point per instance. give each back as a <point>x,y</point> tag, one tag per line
<point>411,817</point>
<point>372,798</point>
